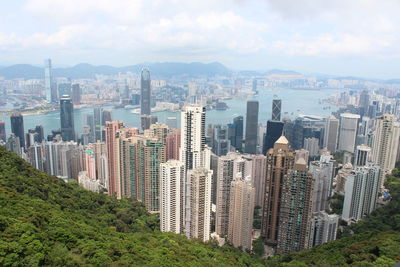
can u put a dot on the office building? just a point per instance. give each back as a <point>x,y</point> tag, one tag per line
<point>295,213</point>
<point>97,117</point>
<point>172,198</point>
<point>235,133</point>
<point>361,192</point>
<point>145,92</point>
<point>13,144</point>
<point>76,94</point>
<point>221,142</point>
<point>276,110</point>
<point>147,121</point>
<point>106,116</point>
<point>3,136</point>
<point>385,143</point>
<point>67,118</point>
<point>311,145</point>
<point>17,127</point>
<point>274,132</point>
<point>241,211</point>
<point>280,160</point>
<point>50,88</point>
<point>348,132</point>
<point>172,122</point>
<point>251,127</point>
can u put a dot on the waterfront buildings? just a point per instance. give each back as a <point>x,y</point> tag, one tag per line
<point>67,118</point>
<point>17,127</point>
<point>251,127</point>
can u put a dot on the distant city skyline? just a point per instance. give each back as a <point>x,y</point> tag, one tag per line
<point>307,36</point>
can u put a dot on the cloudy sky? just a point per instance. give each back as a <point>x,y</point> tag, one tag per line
<point>341,37</point>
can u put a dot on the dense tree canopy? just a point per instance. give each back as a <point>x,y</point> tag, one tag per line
<point>44,221</point>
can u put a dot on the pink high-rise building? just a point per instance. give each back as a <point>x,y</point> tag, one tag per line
<point>173,143</point>
<point>112,154</point>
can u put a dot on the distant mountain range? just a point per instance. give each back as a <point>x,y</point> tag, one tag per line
<point>167,69</point>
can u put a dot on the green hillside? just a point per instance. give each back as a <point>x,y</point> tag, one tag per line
<point>44,221</point>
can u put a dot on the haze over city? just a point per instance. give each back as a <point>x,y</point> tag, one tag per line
<point>347,38</point>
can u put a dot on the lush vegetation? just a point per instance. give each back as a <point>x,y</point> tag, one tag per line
<point>44,221</point>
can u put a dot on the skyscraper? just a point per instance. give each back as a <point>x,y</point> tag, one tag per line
<point>331,134</point>
<point>362,155</point>
<point>193,139</point>
<point>361,192</point>
<point>235,133</point>
<point>258,171</point>
<point>241,210</point>
<point>228,168</point>
<point>324,228</point>
<point>348,132</point>
<point>276,109</point>
<point>172,122</point>
<point>295,213</point>
<point>385,143</point>
<point>97,121</point>
<point>280,160</point>
<point>147,120</point>
<point>3,131</point>
<point>173,144</point>
<point>145,90</point>
<point>17,127</point>
<point>111,130</point>
<point>67,118</point>
<point>198,204</point>
<point>172,198</point>
<point>274,131</point>
<point>76,94</point>
<point>48,82</point>
<point>221,142</point>
<point>251,127</point>
<point>322,172</point>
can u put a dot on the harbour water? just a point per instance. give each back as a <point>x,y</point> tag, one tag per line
<point>294,103</point>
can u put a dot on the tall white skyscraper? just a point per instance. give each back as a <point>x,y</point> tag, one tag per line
<point>241,210</point>
<point>172,184</point>
<point>196,157</point>
<point>361,192</point>
<point>348,132</point>
<point>193,140</point>
<point>385,143</point>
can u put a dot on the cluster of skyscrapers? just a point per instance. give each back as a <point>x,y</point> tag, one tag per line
<point>206,182</point>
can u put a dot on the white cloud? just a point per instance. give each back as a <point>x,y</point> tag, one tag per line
<point>215,30</point>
